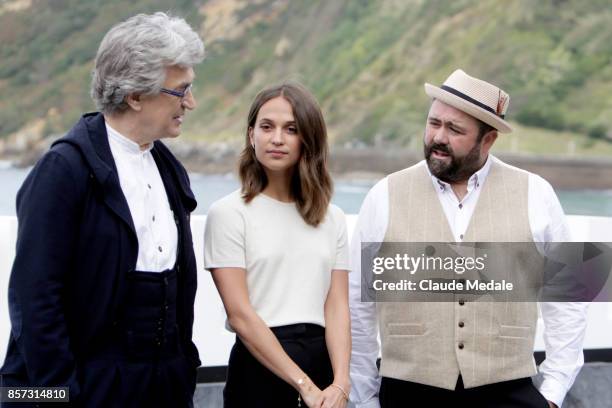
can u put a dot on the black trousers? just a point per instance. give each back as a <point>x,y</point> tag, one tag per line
<point>251,385</point>
<point>520,393</point>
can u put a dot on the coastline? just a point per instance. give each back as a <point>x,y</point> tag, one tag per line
<point>562,172</point>
<point>372,164</point>
<point>365,164</point>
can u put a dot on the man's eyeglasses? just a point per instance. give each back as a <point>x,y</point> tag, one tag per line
<point>178,94</point>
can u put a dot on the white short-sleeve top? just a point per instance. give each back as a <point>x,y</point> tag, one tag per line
<point>288,263</point>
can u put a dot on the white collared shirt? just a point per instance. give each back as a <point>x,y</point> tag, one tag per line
<point>565,322</point>
<point>146,196</point>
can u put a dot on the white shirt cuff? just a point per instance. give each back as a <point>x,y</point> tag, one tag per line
<point>373,403</point>
<point>553,390</point>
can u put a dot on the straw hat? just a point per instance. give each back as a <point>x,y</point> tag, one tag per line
<point>475,97</point>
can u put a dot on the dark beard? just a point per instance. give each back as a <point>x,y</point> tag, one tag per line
<point>459,169</point>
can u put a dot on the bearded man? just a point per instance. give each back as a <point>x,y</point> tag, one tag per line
<point>462,353</point>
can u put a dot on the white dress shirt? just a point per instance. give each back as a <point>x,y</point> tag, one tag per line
<point>146,196</point>
<point>565,322</point>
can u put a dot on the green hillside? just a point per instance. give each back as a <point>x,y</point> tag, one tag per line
<point>366,61</point>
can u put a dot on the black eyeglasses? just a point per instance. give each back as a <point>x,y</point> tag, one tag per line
<point>178,94</point>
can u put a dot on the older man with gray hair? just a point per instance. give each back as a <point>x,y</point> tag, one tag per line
<point>103,283</point>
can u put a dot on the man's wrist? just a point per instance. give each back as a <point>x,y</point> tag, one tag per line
<point>552,390</point>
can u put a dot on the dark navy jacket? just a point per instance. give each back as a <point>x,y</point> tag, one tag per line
<point>75,246</point>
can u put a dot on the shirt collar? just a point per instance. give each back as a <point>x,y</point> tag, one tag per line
<point>476,180</point>
<point>127,145</point>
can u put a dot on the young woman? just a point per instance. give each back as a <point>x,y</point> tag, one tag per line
<point>278,253</point>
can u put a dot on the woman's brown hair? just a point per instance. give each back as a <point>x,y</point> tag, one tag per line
<point>311,184</point>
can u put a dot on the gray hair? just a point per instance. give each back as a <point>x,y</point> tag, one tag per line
<point>134,54</point>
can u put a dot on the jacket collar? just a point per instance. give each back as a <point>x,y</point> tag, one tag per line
<point>179,174</point>
<point>90,137</point>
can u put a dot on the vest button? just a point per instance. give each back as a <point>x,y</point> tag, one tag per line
<point>460,346</point>
<point>461,324</point>
<point>461,302</point>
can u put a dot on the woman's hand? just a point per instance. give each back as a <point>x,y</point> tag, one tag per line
<point>333,397</point>
<point>311,394</point>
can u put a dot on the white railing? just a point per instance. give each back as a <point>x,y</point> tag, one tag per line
<point>214,342</point>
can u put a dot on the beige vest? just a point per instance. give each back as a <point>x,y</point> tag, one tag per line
<point>486,342</point>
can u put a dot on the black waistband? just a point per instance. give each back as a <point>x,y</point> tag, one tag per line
<point>153,276</point>
<point>506,384</point>
<point>300,330</point>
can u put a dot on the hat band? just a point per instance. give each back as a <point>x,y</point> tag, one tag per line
<point>470,100</point>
